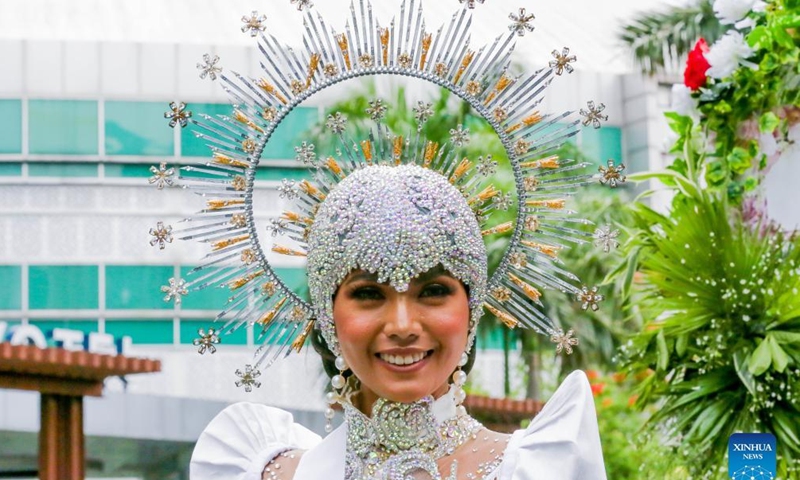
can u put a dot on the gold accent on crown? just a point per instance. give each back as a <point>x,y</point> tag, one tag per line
<point>507,319</point>
<point>228,242</point>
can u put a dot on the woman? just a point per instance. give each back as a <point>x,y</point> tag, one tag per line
<point>393,228</point>
<point>407,276</point>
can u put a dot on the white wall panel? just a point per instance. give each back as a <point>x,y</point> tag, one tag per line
<point>27,242</point>
<point>158,74</point>
<point>44,68</point>
<point>119,65</point>
<point>81,68</point>
<point>12,80</point>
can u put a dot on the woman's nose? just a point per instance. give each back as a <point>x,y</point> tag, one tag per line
<point>401,321</point>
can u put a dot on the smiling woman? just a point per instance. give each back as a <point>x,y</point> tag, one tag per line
<point>401,345</point>
<point>398,267</point>
<point>393,226</point>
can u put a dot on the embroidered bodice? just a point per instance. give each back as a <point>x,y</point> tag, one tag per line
<point>403,438</point>
<point>561,443</point>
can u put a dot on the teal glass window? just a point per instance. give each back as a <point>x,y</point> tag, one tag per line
<point>602,144</point>
<point>62,287</point>
<point>142,331</point>
<point>211,298</point>
<point>191,146</point>
<point>10,169</point>
<point>291,133</point>
<point>11,280</point>
<point>277,174</point>
<point>62,169</point>
<point>288,135</point>
<point>67,127</point>
<point>294,278</point>
<point>137,128</point>
<point>189,331</point>
<point>11,126</point>
<point>136,287</point>
<point>47,326</point>
<point>491,338</point>
<point>129,170</point>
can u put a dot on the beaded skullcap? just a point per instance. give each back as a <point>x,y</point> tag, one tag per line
<point>397,222</point>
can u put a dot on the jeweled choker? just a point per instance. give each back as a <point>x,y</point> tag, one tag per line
<point>402,438</point>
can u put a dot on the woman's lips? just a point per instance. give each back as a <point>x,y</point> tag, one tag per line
<point>404,361</point>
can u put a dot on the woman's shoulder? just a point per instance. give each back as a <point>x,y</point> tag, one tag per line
<point>243,438</point>
<point>562,441</point>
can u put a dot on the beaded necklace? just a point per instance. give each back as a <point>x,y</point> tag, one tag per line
<point>402,438</point>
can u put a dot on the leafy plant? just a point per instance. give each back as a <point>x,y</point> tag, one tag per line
<point>722,336</point>
<point>660,41</point>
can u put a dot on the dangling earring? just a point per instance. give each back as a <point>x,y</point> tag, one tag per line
<point>459,380</point>
<point>336,395</point>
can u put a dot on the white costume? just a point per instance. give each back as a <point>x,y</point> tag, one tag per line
<point>561,442</point>
<point>395,205</point>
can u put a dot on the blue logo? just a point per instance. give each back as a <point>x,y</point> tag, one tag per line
<point>752,456</point>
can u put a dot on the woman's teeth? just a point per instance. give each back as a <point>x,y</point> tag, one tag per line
<point>402,359</point>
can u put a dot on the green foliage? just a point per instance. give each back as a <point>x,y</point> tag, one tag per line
<point>764,91</point>
<point>660,40</point>
<point>722,336</point>
<point>718,294</point>
<point>600,332</point>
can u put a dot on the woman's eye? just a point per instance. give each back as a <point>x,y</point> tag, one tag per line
<point>435,290</point>
<point>366,293</point>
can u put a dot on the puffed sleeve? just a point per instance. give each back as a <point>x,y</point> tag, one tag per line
<point>239,442</point>
<point>562,442</point>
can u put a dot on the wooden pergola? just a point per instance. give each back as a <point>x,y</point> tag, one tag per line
<point>63,378</point>
<point>502,414</point>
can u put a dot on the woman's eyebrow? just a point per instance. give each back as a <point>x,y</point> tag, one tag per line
<point>361,276</point>
<point>431,274</point>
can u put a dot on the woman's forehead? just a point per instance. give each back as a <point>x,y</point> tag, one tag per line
<point>363,275</point>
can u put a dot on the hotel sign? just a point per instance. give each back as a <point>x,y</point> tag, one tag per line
<point>94,342</point>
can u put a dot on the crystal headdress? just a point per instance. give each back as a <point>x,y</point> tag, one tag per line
<point>479,76</point>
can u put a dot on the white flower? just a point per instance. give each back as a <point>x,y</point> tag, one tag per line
<point>731,11</point>
<point>727,54</point>
<point>791,148</point>
<point>682,102</point>
<point>767,144</point>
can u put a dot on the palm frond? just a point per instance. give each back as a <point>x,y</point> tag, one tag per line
<point>660,41</point>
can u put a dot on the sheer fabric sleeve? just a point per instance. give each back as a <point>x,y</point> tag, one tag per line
<point>239,442</point>
<point>562,442</point>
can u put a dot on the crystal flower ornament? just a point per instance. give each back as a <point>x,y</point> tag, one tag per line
<point>593,115</point>
<point>470,3</point>
<point>206,341</point>
<point>522,22</point>
<point>209,67</point>
<point>248,378</point>
<point>563,61</point>
<point>254,23</point>
<point>612,174</point>
<point>606,238</point>
<point>162,176</point>
<point>175,290</point>
<point>564,341</point>
<point>178,115</point>
<point>162,235</point>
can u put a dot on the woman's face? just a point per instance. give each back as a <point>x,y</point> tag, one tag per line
<point>402,345</point>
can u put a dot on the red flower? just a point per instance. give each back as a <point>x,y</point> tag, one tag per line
<point>694,76</point>
<point>597,388</point>
<point>592,375</point>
